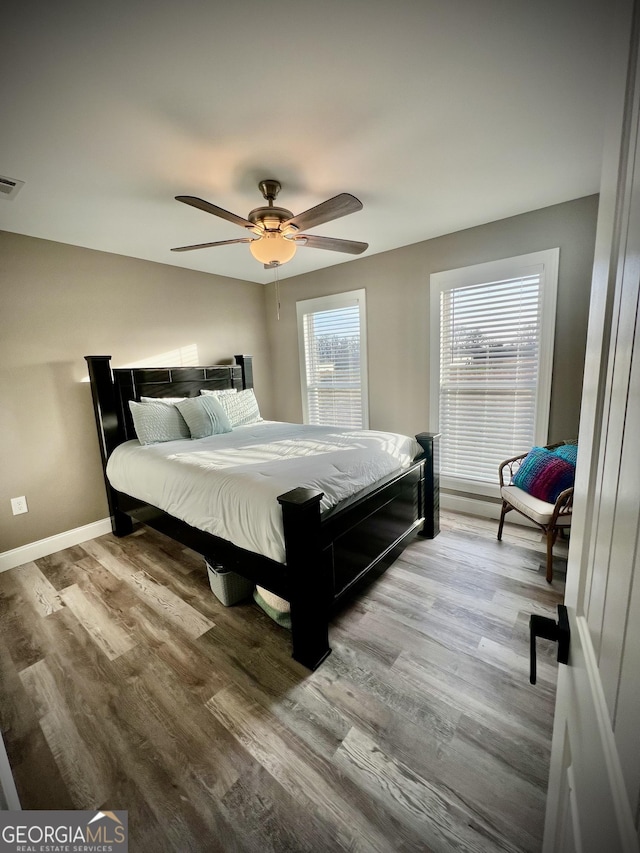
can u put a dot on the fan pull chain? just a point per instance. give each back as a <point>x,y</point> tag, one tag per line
<point>277,281</point>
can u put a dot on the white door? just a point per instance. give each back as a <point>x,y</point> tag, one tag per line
<point>593,801</point>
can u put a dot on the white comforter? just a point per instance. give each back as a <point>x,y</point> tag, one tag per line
<point>228,484</point>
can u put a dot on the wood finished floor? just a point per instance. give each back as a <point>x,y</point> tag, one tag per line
<point>126,685</point>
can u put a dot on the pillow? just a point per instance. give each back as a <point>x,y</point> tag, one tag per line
<point>219,393</point>
<point>204,416</point>
<point>155,422</point>
<point>241,408</point>
<point>568,452</point>
<point>166,401</point>
<point>275,607</point>
<point>544,474</point>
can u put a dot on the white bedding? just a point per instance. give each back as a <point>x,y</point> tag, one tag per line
<point>228,484</point>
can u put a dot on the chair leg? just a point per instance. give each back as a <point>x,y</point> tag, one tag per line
<point>551,538</point>
<point>505,510</point>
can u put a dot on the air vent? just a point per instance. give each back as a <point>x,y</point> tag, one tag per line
<point>9,187</point>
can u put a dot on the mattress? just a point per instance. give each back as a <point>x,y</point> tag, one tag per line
<point>228,484</point>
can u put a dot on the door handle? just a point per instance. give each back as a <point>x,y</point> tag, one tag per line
<point>542,626</point>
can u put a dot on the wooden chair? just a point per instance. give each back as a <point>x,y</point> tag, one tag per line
<point>551,518</point>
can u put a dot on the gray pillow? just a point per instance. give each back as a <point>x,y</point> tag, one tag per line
<point>204,416</point>
<point>156,422</point>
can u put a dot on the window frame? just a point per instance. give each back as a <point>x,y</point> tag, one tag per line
<point>546,264</point>
<point>330,303</point>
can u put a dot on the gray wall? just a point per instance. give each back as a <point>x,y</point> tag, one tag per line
<point>59,303</point>
<point>397,289</point>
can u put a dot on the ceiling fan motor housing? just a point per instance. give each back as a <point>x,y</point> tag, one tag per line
<point>269,218</point>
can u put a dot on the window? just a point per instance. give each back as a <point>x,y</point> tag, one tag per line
<point>333,359</point>
<point>492,332</point>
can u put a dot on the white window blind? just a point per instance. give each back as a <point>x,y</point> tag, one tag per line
<point>494,370</point>
<point>333,355</point>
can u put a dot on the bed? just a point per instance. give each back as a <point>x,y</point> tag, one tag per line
<point>316,552</point>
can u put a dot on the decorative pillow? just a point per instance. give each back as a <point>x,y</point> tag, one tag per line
<point>155,422</point>
<point>241,408</point>
<point>219,393</point>
<point>544,474</point>
<point>568,452</point>
<point>204,416</point>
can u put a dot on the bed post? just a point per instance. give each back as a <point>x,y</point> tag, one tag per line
<point>430,443</point>
<point>307,576</point>
<point>106,414</point>
<point>245,362</point>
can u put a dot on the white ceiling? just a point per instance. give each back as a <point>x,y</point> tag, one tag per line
<point>438,114</point>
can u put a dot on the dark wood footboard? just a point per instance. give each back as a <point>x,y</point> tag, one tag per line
<point>328,556</point>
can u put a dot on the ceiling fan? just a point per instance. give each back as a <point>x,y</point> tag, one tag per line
<point>276,231</point>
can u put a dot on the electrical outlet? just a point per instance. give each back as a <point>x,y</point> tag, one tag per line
<point>19,505</point>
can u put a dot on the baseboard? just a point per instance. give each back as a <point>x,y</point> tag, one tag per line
<point>476,506</point>
<point>44,547</point>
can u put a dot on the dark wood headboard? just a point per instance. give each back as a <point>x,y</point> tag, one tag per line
<point>113,389</point>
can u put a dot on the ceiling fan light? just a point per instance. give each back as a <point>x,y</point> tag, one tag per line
<point>272,248</point>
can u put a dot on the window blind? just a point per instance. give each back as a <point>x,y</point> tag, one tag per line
<point>332,341</point>
<point>489,368</point>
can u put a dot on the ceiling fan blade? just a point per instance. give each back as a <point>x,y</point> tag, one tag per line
<point>201,204</point>
<point>210,245</point>
<point>334,208</point>
<point>351,247</point>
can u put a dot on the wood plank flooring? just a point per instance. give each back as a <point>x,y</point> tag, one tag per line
<point>125,684</point>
